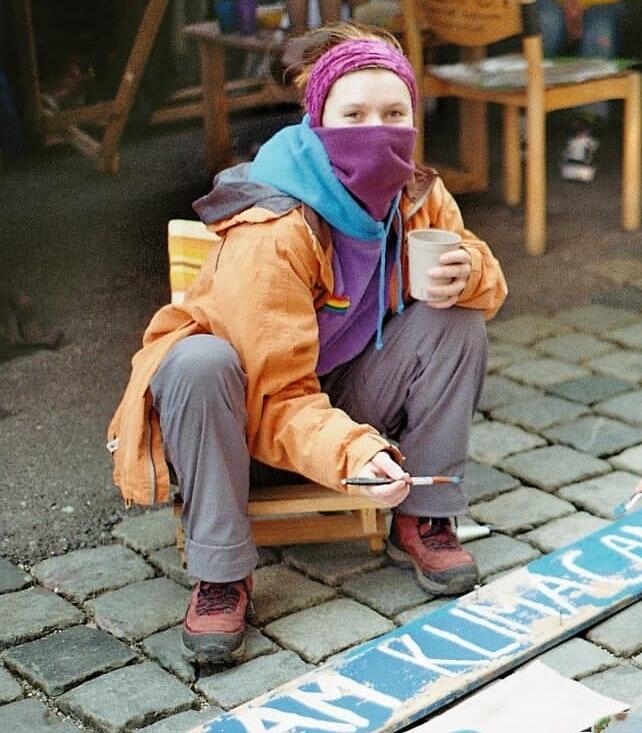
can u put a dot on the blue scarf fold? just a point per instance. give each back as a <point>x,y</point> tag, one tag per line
<point>294,161</point>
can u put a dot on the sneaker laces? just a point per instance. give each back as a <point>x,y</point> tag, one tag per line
<point>217,598</point>
<point>437,533</point>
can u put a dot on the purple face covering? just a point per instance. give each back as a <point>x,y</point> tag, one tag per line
<point>373,163</point>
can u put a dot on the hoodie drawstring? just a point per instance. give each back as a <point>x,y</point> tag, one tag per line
<point>394,212</point>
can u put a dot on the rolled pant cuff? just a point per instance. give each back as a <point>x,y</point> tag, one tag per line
<point>221,564</point>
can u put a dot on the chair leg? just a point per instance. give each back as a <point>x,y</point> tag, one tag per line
<point>473,141</point>
<point>535,216</point>
<point>631,156</point>
<point>512,156</point>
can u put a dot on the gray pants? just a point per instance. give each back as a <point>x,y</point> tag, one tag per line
<point>420,390</point>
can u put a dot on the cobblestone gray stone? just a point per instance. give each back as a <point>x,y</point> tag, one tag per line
<point>540,413</point>
<point>621,633</point>
<point>128,698</point>
<point>306,632</point>
<point>630,336</point>
<point>182,722</point>
<point>554,466</point>
<point>520,510</point>
<point>590,390</point>
<point>626,365</point>
<point>140,609</point>
<point>596,319</point>
<point>84,573</point>
<point>629,460</point>
<point>388,590</point>
<point>10,688</point>
<point>168,561</point>
<point>544,372</point>
<point>67,658</point>
<point>334,562</point>
<point>563,531</point>
<point>599,436</point>
<point>577,658</point>
<point>33,612</point>
<point>526,329</point>
<point>626,407</point>
<point>149,531</point>
<point>599,495</point>
<point>32,716</point>
<point>411,614</point>
<point>501,354</point>
<point>498,391</point>
<point>623,682</point>
<point>234,686</point>
<point>491,441</point>
<point>574,347</point>
<point>484,482</point>
<point>166,648</point>
<point>498,552</point>
<point>279,590</point>
<point>11,577</point>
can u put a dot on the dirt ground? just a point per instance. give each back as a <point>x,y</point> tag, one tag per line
<point>91,251</point>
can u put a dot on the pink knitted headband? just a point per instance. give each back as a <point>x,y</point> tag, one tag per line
<point>350,56</point>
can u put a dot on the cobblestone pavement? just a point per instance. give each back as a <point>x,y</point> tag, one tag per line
<point>90,640</point>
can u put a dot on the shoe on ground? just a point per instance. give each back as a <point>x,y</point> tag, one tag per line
<point>577,160</point>
<point>214,625</point>
<point>442,565</point>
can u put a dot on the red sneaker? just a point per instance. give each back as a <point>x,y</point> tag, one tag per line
<point>432,548</point>
<point>214,625</point>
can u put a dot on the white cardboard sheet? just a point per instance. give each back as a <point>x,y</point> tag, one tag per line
<point>532,700</point>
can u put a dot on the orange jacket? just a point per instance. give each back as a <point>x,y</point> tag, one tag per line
<point>260,289</point>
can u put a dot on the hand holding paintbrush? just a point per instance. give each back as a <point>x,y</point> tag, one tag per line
<point>383,480</point>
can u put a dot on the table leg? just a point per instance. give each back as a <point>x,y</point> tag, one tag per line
<point>218,142</point>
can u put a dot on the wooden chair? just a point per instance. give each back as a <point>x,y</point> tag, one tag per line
<point>53,126</point>
<point>281,515</point>
<point>538,89</point>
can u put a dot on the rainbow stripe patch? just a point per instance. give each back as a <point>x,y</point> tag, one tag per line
<point>337,303</point>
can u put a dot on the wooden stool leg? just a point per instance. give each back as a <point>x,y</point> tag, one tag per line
<point>177,511</point>
<point>631,156</point>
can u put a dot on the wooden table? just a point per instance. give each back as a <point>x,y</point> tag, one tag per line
<point>220,97</point>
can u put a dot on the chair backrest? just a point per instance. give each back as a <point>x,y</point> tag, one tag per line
<point>473,23</point>
<point>188,244</point>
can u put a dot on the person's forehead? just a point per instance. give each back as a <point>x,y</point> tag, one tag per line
<point>369,80</point>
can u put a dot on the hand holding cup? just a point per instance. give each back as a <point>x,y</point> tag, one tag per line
<point>438,266</point>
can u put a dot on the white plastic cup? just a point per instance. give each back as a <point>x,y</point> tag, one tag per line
<point>425,246</point>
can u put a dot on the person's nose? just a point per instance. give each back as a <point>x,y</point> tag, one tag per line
<point>374,119</point>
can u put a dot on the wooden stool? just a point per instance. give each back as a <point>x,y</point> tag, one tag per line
<point>220,97</point>
<point>305,513</point>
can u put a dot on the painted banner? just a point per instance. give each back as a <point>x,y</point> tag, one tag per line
<point>406,674</point>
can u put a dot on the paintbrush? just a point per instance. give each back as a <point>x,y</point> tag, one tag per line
<point>414,480</point>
